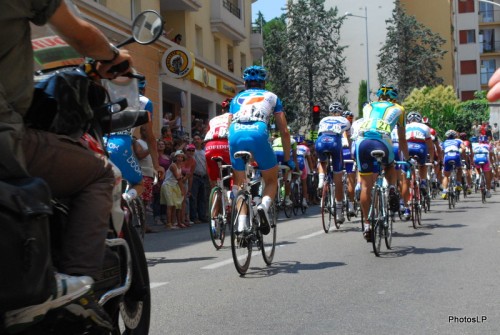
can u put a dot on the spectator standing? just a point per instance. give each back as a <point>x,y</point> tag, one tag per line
<point>164,159</point>
<point>482,130</point>
<point>496,131</point>
<point>188,170</point>
<point>173,191</point>
<point>166,134</point>
<point>198,199</point>
<point>142,152</point>
<point>475,129</point>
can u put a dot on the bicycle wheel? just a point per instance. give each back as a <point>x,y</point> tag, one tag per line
<point>216,215</point>
<point>303,208</point>
<point>450,198</point>
<point>288,209</point>
<point>241,242</point>
<point>346,204</point>
<point>376,223</point>
<point>326,207</point>
<point>295,198</point>
<point>388,226</point>
<point>268,242</point>
<point>139,217</point>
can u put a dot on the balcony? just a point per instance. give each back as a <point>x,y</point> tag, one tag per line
<point>256,42</point>
<point>226,19</point>
<point>489,17</point>
<point>182,5</point>
<point>489,48</point>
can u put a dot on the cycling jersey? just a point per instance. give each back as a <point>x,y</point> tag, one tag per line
<point>251,110</point>
<point>303,152</point>
<point>416,135</point>
<point>216,144</point>
<point>333,125</point>
<point>482,155</point>
<point>217,128</point>
<point>380,119</point>
<point>119,146</point>
<point>331,129</point>
<point>451,149</point>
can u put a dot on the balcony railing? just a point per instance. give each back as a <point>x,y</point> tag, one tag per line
<point>489,16</point>
<point>233,9</point>
<point>487,47</point>
<point>485,77</point>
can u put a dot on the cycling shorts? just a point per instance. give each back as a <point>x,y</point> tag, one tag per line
<point>252,137</point>
<point>418,149</point>
<point>332,144</point>
<point>302,162</point>
<point>451,156</point>
<point>366,163</point>
<point>216,148</point>
<point>122,155</point>
<point>482,158</point>
<point>346,153</point>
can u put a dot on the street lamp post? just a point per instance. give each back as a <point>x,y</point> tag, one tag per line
<point>367,55</point>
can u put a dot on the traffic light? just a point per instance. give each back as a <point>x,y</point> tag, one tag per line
<point>316,114</point>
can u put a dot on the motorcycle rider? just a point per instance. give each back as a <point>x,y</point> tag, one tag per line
<point>71,170</point>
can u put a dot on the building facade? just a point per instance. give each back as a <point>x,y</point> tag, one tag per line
<point>217,44</point>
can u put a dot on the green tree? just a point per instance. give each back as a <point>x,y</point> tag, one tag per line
<point>445,111</point>
<point>362,98</point>
<point>411,53</point>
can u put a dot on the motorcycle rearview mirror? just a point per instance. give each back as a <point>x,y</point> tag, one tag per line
<point>146,28</point>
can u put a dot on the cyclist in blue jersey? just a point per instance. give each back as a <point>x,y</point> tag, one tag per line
<point>453,149</point>
<point>483,155</point>
<point>331,131</point>
<point>380,118</point>
<point>250,111</point>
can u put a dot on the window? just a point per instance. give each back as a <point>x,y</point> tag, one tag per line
<point>487,40</point>
<point>468,67</point>
<point>233,7</point>
<point>217,55</point>
<point>467,95</point>
<point>486,12</point>
<point>467,36</point>
<point>488,67</point>
<point>199,40</point>
<point>465,6</point>
<point>243,61</point>
<point>230,56</point>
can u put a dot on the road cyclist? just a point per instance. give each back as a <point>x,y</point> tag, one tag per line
<point>329,144</point>
<point>482,157</point>
<point>250,112</point>
<point>219,174</point>
<point>453,148</point>
<point>420,147</point>
<point>305,166</point>
<point>379,119</point>
<point>349,166</point>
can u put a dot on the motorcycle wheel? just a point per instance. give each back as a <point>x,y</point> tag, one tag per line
<point>135,306</point>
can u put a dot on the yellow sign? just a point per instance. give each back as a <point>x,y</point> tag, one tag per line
<point>204,77</point>
<point>177,62</point>
<point>226,87</point>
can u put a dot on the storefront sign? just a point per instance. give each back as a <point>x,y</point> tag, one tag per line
<point>52,51</point>
<point>204,77</point>
<point>177,62</point>
<point>226,87</point>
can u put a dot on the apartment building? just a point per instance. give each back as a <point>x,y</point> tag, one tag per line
<point>190,77</point>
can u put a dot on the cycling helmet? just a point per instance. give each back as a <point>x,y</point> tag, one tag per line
<point>387,91</point>
<point>463,136</point>
<point>225,103</point>
<point>451,134</point>
<point>255,73</point>
<point>347,114</point>
<point>483,139</point>
<point>336,108</point>
<point>142,84</point>
<point>425,120</point>
<point>414,117</point>
<point>473,139</point>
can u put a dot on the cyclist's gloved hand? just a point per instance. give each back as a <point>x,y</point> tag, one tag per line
<point>291,164</point>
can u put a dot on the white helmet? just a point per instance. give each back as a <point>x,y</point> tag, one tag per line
<point>336,108</point>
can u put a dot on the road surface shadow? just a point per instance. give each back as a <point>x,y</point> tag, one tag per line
<point>153,261</point>
<point>289,267</point>
<point>401,251</point>
<point>415,233</point>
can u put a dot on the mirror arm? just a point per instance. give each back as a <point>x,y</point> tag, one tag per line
<point>127,41</point>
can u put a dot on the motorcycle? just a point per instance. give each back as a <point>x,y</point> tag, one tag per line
<point>123,287</point>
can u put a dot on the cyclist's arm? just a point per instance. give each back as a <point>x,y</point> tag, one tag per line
<point>430,149</point>
<point>285,134</point>
<point>403,145</point>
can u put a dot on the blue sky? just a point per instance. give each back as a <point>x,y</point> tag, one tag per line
<point>270,8</point>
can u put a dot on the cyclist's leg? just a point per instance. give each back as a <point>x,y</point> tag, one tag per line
<point>366,167</point>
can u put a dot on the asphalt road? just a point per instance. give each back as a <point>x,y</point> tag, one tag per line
<point>443,278</point>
